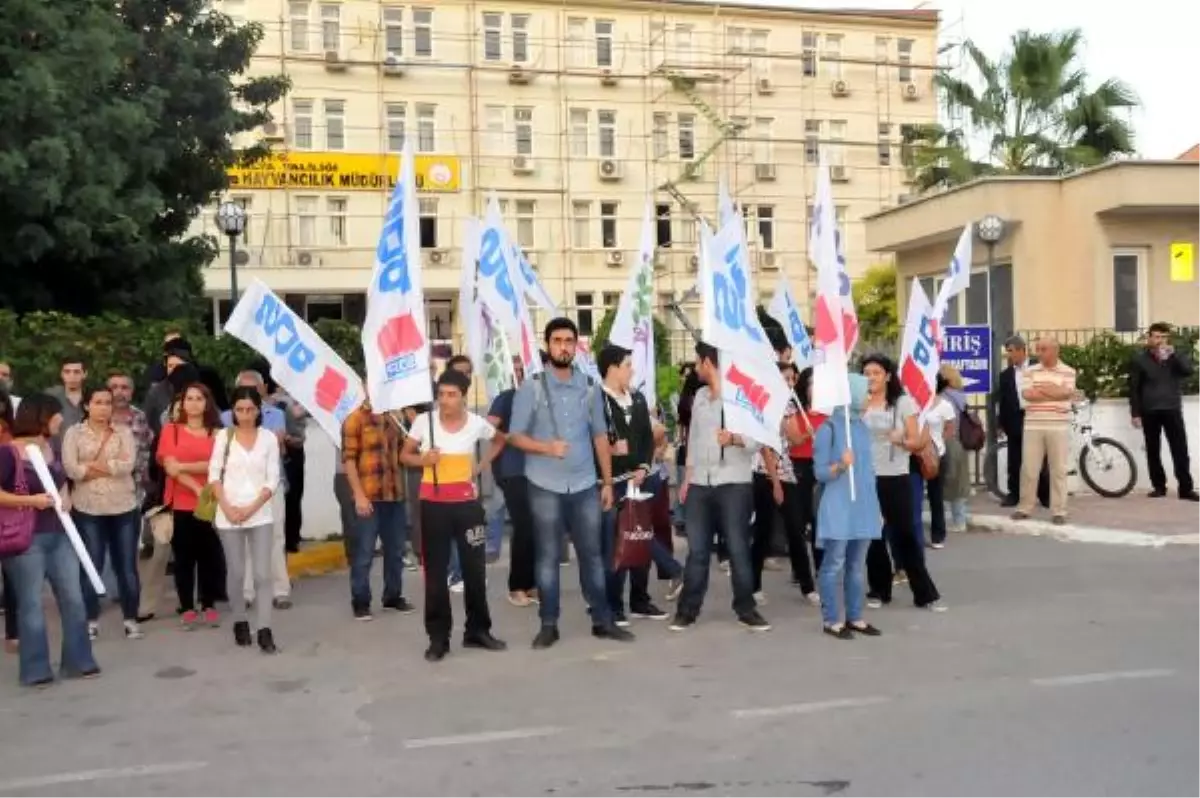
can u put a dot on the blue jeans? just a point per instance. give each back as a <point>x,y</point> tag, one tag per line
<point>115,535</point>
<point>495,526</point>
<point>958,512</point>
<point>659,554</point>
<point>579,513</point>
<point>850,556</point>
<point>724,510</point>
<point>49,558</point>
<point>389,524</point>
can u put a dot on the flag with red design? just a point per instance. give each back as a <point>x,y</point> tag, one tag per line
<point>919,358</point>
<point>834,330</point>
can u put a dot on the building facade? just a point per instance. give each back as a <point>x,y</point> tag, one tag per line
<point>574,114</point>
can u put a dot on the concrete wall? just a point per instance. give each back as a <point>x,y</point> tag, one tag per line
<point>1111,419</point>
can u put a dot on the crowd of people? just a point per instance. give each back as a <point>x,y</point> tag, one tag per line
<point>214,482</point>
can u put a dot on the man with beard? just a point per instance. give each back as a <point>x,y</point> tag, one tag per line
<point>558,421</point>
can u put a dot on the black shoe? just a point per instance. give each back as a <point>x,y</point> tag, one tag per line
<point>483,640</point>
<point>1190,496</point>
<point>649,611</point>
<point>613,632</point>
<point>546,637</point>
<point>1157,493</point>
<point>754,622</point>
<point>1010,502</point>
<point>437,651</point>
<point>843,633</point>
<point>866,629</point>
<point>266,642</point>
<point>399,604</point>
<point>362,612</point>
<point>241,633</point>
<point>619,619</point>
<point>682,622</point>
<point>144,618</point>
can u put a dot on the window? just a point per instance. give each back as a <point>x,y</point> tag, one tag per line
<point>758,42</point>
<point>493,119</point>
<point>523,128</point>
<point>907,134</point>
<point>606,122</point>
<point>662,225</point>
<point>583,313</point>
<point>245,203</point>
<point>687,137</point>
<point>604,43</point>
<point>331,28</point>
<point>526,213</point>
<point>608,225</point>
<point>335,124</point>
<point>812,141</point>
<point>885,144</point>
<point>610,299</point>
<point>336,206</point>
<point>396,114</point>
<point>735,40</point>
<point>837,137</point>
<point>298,19</point>
<point>658,136</point>
<point>766,226</point>
<point>832,58</point>
<point>808,54</point>
<point>839,217</point>
<point>882,49</point>
<point>581,216</point>
<point>1126,268</point>
<point>492,24</point>
<point>683,44</point>
<point>428,223</point>
<point>423,32</point>
<point>741,144</point>
<point>764,147</point>
<point>306,221</point>
<point>393,30</point>
<point>904,48</point>
<point>579,132</point>
<point>520,38</point>
<point>576,40</point>
<point>426,128</point>
<point>976,297</point>
<point>302,124</point>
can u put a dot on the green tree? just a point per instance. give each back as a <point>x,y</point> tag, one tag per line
<point>1034,109</point>
<point>666,378</point>
<point>875,301</point>
<point>117,130</point>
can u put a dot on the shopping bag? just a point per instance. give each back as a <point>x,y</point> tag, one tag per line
<point>635,531</point>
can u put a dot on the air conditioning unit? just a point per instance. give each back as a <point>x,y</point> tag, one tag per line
<point>910,92</point>
<point>609,169</point>
<point>305,258</point>
<point>439,257</point>
<point>614,257</point>
<point>334,62</point>
<point>767,261</point>
<point>518,74</point>
<point>241,257</point>
<point>522,165</point>
<point>765,86</point>
<point>272,131</point>
<point>392,65</point>
<point>839,174</point>
<point>839,88</point>
<point>608,77</point>
<point>764,171</point>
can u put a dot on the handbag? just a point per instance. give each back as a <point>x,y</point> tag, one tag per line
<point>928,461</point>
<point>635,531</point>
<point>17,523</point>
<point>206,503</point>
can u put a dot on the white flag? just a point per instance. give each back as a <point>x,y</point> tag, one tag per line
<point>784,310</point>
<point>531,283</point>
<point>958,275</point>
<point>831,376</point>
<point>468,303</point>
<point>919,358</point>
<point>633,327</point>
<point>499,281</point>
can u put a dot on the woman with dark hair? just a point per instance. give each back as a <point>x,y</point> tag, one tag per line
<point>185,448</point>
<point>891,417</point>
<point>244,472</point>
<point>51,556</point>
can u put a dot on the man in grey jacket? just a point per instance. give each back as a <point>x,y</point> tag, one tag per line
<point>73,372</point>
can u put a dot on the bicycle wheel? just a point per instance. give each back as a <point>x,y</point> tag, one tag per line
<point>1108,468</point>
<point>995,463</point>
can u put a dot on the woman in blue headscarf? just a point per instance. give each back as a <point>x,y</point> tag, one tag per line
<point>847,526</point>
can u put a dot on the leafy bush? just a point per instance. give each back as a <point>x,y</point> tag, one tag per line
<point>1102,363</point>
<point>664,383</point>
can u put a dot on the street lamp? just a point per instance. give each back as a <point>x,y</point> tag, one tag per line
<point>991,230</point>
<point>231,219</point>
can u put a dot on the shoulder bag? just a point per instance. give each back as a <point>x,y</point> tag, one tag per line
<point>206,504</point>
<point>17,523</point>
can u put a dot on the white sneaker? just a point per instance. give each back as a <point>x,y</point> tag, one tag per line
<point>93,630</point>
<point>874,604</point>
<point>675,588</point>
<point>760,598</point>
<point>133,631</point>
<point>935,606</point>
<point>456,587</point>
<point>813,598</point>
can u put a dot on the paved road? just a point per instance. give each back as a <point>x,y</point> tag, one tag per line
<point>1060,669</point>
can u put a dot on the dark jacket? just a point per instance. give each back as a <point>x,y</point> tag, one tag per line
<point>637,431</point>
<point>1156,385</point>
<point>1009,415</point>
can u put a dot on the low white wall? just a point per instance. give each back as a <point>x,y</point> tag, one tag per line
<point>1110,418</point>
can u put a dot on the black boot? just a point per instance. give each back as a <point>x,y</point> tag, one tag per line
<point>241,633</point>
<point>266,642</point>
<point>437,651</point>
<point>483,640</point>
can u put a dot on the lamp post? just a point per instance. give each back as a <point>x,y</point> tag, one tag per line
<point>990,230</point>
<point>231,219</point>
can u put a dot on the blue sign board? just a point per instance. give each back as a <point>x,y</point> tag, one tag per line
<point>969,349</point>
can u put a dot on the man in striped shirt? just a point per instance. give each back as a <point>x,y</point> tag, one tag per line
<point>1048,389</point>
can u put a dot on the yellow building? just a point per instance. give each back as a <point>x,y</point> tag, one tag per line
<point>573,113</point>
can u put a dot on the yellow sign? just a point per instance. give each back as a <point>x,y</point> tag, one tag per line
<point>345,171</point>
<point>1183,262</point>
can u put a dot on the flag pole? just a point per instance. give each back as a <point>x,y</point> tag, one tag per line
<point>846,418</point>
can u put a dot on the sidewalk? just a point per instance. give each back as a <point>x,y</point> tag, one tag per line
<point>1134,520</point>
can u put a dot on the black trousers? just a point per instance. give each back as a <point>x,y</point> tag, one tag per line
<point>765,513</point>
<point>896,504</point>
<point>1016,446</point>
<point>199,561</point>
<point>1154,424</point>
<point>293,518</point>
<point>806,479</point>
<point>461,524</point>
<point>10,611</point>
<point>521,556</point>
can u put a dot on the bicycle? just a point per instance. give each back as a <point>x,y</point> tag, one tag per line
<point>1094,457</point>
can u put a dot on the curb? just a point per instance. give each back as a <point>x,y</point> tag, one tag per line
<point>317,559</point>
<point>1079,534</point>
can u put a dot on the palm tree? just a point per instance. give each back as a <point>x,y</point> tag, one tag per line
<point>1031,111</point>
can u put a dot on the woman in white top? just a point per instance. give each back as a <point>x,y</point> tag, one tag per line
<point>940,418</point>
<point>244,473</point>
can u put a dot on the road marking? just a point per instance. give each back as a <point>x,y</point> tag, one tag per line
<point>134,771</point>
<point>1097,678</point>
<point>484,737</point>
<point>811,707</point>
